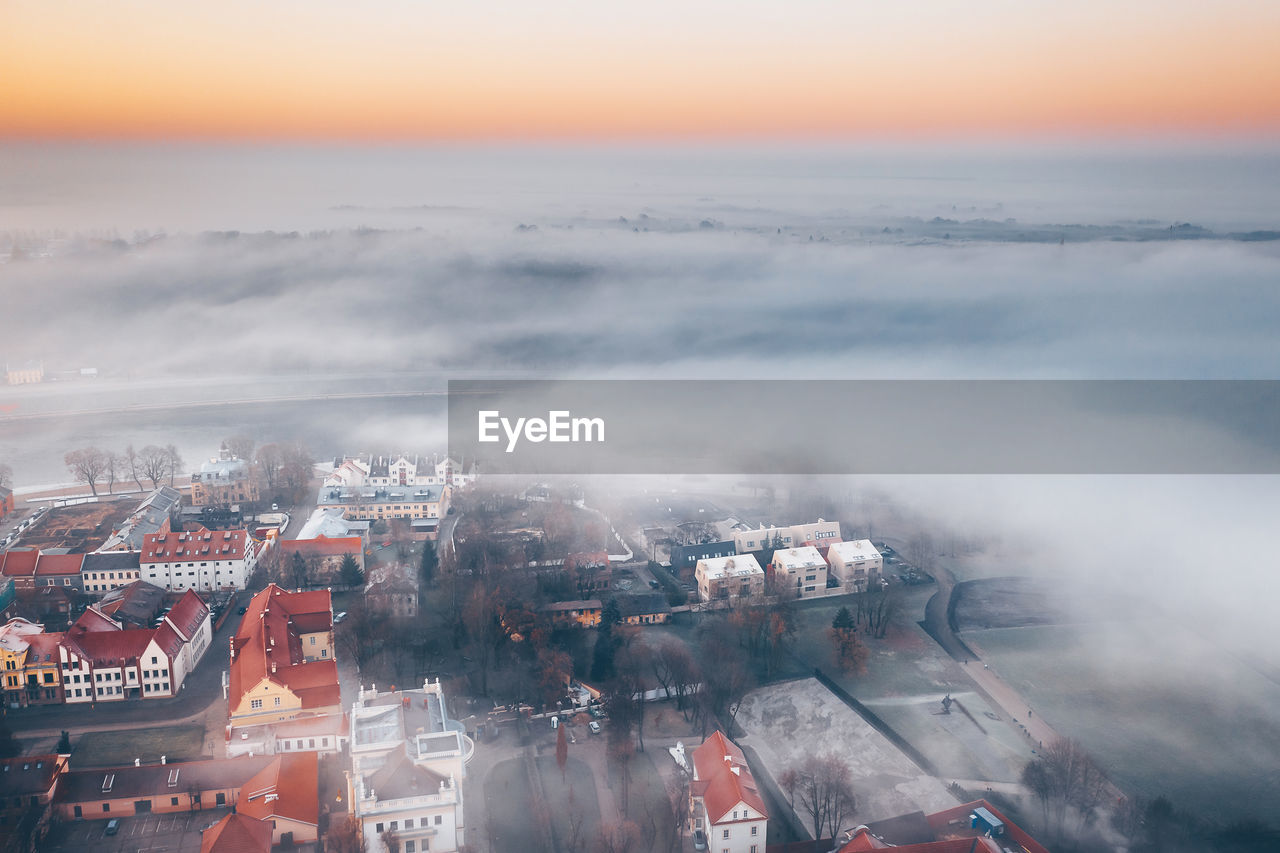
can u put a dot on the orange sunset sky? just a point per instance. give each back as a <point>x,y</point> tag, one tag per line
<point>422,69</point>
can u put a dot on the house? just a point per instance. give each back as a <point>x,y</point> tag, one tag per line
<point>15,637</point>
<point>724,800</point>
<point>646,608</point>
<point>237,833</point>
<point>855,563</point>
<point>223,481</point>
<point>684,558</point>
<point>137,605</point>
<point>49,605</point>
<point>103,661</point>
<point>323,733</point>
<point>285,795</point>
<point>330,523</point>
<point>392,590</point>
<point>201,559</point>
<point>104,571</point>
<point>589,571</point>
<point>976,827</point>
<point>408,761</point>
<point>819,533</point>
<point>62,570</point>
<point>6,501</point>
<point>27,373</point>
<point>19,565</point>
<point>155,788</point>
<point>729,578</point>
<point>27,787</point>
<point>799,572</point>
<point>373,503</point>
<point>153,516</point>
<point>585,612</point>
<point>324,556</point>
<point>282,663</point>
<point>401,470</point>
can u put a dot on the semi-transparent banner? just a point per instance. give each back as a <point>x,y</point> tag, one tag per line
<point>867,426</point>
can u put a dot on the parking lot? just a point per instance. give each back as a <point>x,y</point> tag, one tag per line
<point>178,832</point>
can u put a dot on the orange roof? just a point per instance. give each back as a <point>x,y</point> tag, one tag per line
<point>43,648</point>
<point>267,645</point>
<point>952,834</point>
<point>187,615</point>
<point>59,564</point>
<point>17,564</point>
<point>723,778</point>
<point>288,787</point>
<point>237,833</point>
<point>191,545</point>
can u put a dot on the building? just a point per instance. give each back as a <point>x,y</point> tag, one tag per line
<point>237,833</point>
<point>282,663</point>
<point>103,661</point>
<point>725,802</point>
<point>15,642</point>
<point>153,516</point>
<point>330,523</point>
<point>392,590</point>
<point>400,470</point>
<point>408,760</point>
<point>6,501</point>
<point>585,612</point>
<point>137,605</point>
<point>24,374</point>
<point>155,788</point>
<point>800,572</point>
<point>324,557</point>
<point>223,481</point>
<point>201,559</point>
<point>19,565</point>
<point>374,503</point>
<point>104,571</point>
<point>58,570</point>
<point>729,578</point>
<point>684,558</point>
<point>819,533</point>
<point>646,608</point>
<point>27,788</point>
<point>285,795</point>
<point>324,733</point>
<point>855,564</point>
<point>976,827</point>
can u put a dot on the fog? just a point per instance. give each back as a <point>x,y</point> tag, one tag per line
<point>190,275</point>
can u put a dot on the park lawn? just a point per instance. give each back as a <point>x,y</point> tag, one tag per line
<point>120,748</point>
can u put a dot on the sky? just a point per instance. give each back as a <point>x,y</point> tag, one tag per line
<point>396,70</point>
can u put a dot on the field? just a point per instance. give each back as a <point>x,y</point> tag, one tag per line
<point>1164,709</point>
<point>114,749</point>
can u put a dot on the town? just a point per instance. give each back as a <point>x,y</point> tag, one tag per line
<point>391,653</point>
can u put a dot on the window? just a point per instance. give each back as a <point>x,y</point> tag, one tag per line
<point>378,828</point>
<point>439,820</point>
<point>277,701</point>
<point>255,704</point>
<point>395,824</point>
<point>222,799</point>
<point>755,848</point>
<point>311,744</point>
<point>79,812</point>
<point>173,801</point>
<point>408,847</point>
<point>755,830</point>
<point>313,641</point>
<point>408,823</point>
<point>726,833</point>
<point>106,807</point>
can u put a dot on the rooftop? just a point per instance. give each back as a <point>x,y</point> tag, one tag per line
<point>794,559</point>
<point>858,549</point>
<point>741,565</point>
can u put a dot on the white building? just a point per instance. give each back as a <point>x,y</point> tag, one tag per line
<point>408,760</point>
<point>401,470</point>
<point>819,533</point>
<point>724,800</point>
<point>729,578</point>
<point>203,559</point>
<point>855,563</point>
<point>800,572</point>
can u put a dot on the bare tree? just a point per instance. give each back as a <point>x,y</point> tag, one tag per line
<point>240,446</point>
<point>133,465</point>
<point>676,671</point>
<point>1064,777</point>
<point>848,649</point>
<point>87,465</point>
<point>172,463</point>
<point>115,467</point>
<point>921,551</point>
<point>154,463</point>
<point>820,786</point>
<point>621,837</point>
<point>270,458</point>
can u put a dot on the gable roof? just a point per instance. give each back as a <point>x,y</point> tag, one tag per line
<point>947,831</point>
<point>59,564</point>
<point>723,778</point>
<point>20,563</point>
<point>188,614</point>
<point>202,544</point>
<point>110,561</point>
<point>137,603</point>
<point>286,788</point>
<point>237,833</point>
<point>269,639</point>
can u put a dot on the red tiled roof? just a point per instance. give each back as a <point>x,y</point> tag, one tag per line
<point>109,648</point>
<point>943,826</point>
<point>237,833</point>
<point>168,640</point>
<point>59,564</point>
<point>93,620</point>
<point>200,544</point>
<point>43,647</point>
<point>953,834</point>
<point>269,636</point>
<point>187,615</point>
<point>322,546</point>
<point>722,788</point>
<point>19,564</point>
<point>288,787</point>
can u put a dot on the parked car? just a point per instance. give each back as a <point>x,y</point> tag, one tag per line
<point>597,712</point>
<point>113,826</point>
<point>593,727</point>
<point>339,616</point>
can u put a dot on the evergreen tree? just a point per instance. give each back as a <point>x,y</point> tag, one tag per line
<point>350,571</point>
<point>64,743</point>
<point>430,562</point>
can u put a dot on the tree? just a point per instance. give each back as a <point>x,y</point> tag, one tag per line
<point>154,463</point>
<point>172,463</point>
<point>343,836</point>
<point>1064,777</point>
<point>430,563</point>
<point>562,752</point>
<point>820,787</point>
<point>350,571</point>
<point>849,652</point>
<point>240,446</point>
<point>621,837</point>
<point>133,465</point>
<point>87,465</point>
<point>64,743</point>
<point>299,570</point>
<point>115,467</point>
<point>270,458</point>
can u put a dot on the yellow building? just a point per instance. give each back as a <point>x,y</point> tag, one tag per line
<point>15,643</point>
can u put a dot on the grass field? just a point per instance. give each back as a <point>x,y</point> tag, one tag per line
<point>112,749</point>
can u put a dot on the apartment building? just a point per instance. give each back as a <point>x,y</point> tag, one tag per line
<point>105,571</point>
<point>729,578</point>
<point>856,564</point>
<point>800,572</point>
<point>373,503</point>
<point>223,481</point>
<point>819,533</point>
<point>725,802</point>
<point>401,470</point>
<point>201,559</point>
